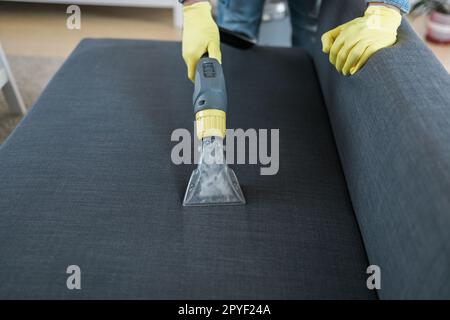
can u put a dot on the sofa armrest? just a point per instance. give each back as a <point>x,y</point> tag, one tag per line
<point>391,123</point>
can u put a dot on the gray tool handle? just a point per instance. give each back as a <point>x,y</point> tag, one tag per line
<point>210,90</point>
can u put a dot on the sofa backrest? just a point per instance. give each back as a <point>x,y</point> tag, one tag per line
<point>391,123</point>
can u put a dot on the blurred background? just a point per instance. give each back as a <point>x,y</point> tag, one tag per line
<point>36,41</point>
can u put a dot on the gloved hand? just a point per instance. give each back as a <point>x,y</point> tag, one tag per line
<point>353,43</point>
<point>200,35</point>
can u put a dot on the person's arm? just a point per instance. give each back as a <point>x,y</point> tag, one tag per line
<point>377,3</point>
<point>402,5</point>
<point>350,45</point>
<point>200,34</point>
<point>189,2</point>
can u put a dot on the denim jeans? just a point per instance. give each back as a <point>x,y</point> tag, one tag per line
<point>244,16</point>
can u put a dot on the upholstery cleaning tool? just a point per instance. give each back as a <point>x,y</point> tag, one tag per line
<point>213,182</point>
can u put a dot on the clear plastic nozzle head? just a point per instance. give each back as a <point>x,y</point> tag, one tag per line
<point>213,182</point>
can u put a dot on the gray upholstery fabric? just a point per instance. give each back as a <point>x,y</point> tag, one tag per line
<point>87,179</point>
<point>391,123</point>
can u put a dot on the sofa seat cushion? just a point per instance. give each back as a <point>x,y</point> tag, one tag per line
<point>87,179</point>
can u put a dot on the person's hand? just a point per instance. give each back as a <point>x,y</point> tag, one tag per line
<point>353,43</point>
<point>200,35</point>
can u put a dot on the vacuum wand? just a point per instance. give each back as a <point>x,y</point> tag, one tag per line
<point>213,182</point>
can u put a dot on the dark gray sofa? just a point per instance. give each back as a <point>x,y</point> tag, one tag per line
<point>86,178</point>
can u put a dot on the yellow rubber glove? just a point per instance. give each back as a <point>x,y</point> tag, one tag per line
<point>200,35</point>
<point>353,43</point>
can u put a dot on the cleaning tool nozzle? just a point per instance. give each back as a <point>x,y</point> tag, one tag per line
<point>213,182</point>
